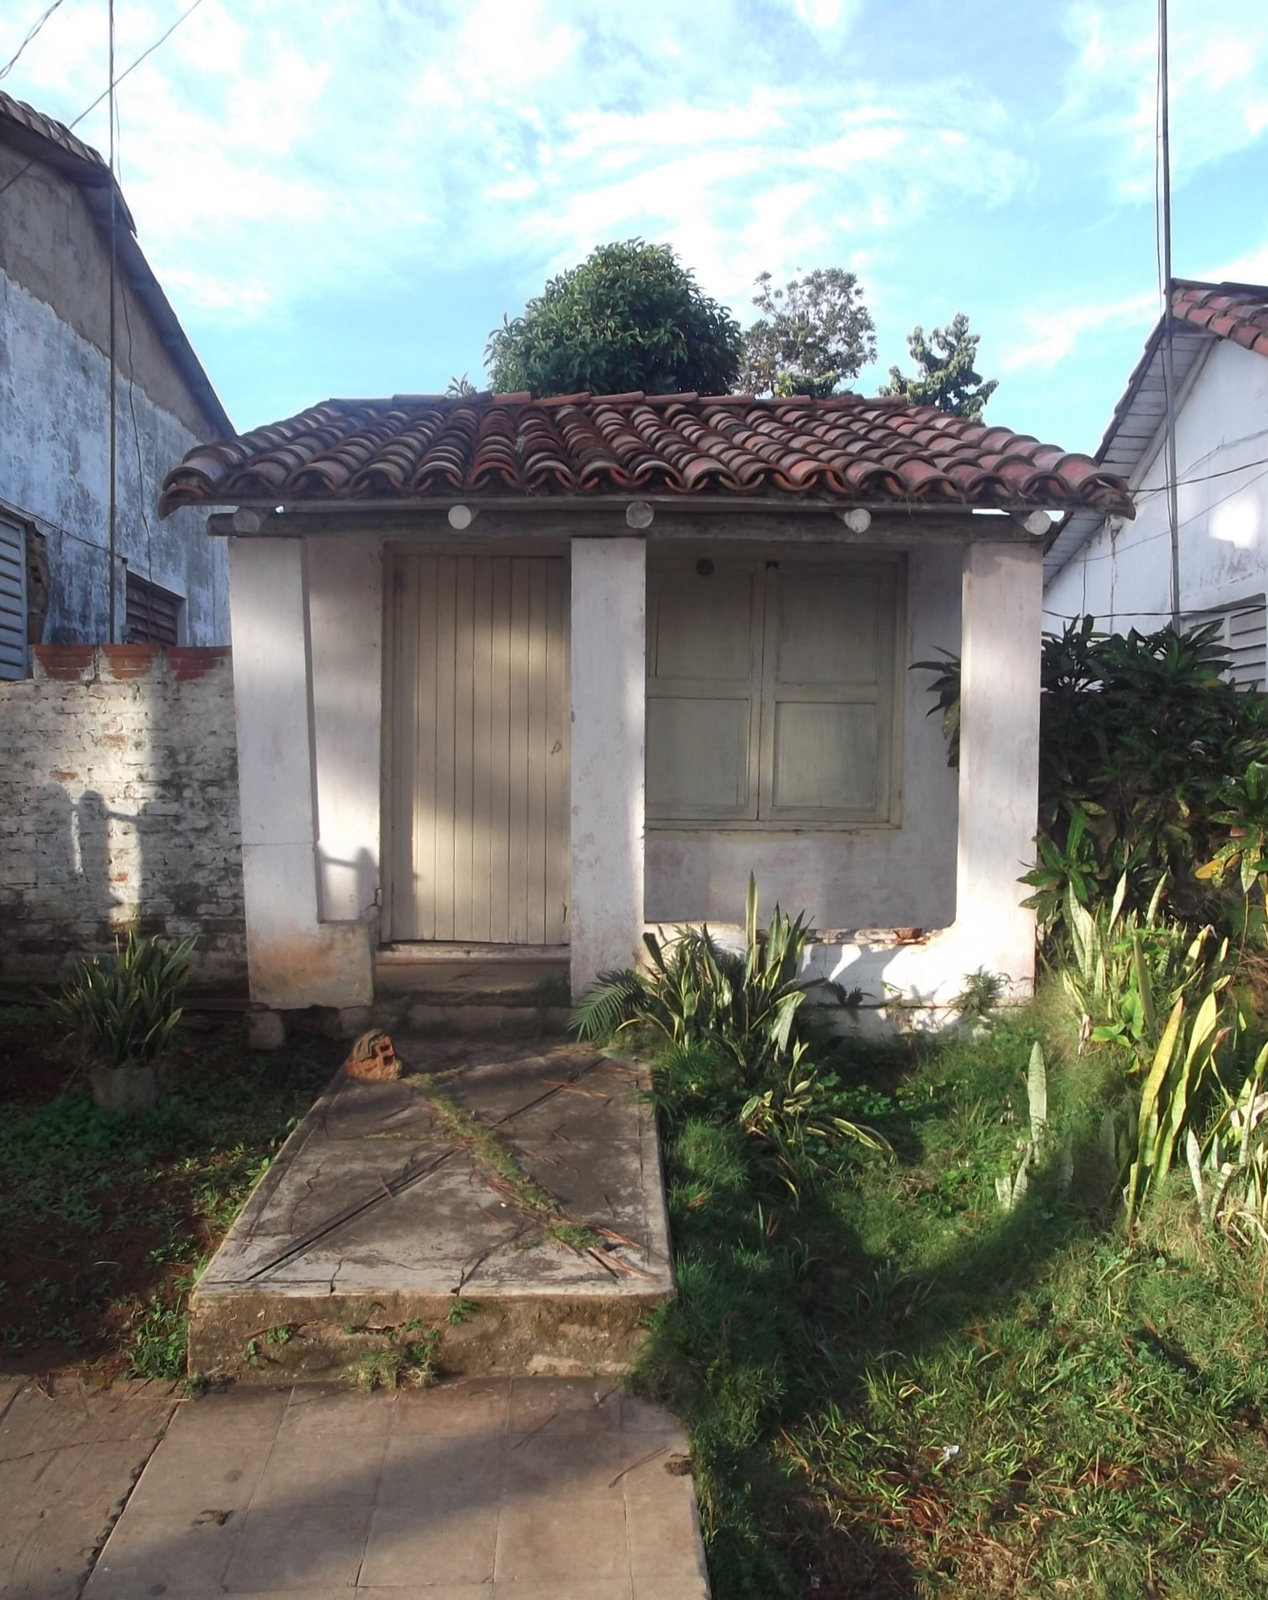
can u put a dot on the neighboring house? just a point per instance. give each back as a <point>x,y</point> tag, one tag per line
<point>516,673</point>
<point>57,338</point>
<point>1121,574</point>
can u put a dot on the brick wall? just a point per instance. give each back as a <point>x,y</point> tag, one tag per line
<point>119,808</point>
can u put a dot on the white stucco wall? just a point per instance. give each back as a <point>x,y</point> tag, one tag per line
<point>295,957</point>
<point>1122,576</point>
<point>345,610</point>
<point>54,472</point>
<point>608,668</point>
<point>866,877</point>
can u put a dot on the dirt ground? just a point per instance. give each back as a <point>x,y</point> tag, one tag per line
<point>103,1221</point>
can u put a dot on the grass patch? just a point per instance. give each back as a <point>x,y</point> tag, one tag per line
<point>510,1178</point>
<point>105,1221</point>
<point>405,1359</point>
<point>895,1388</point>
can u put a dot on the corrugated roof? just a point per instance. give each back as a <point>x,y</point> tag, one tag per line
<point>420,448</point>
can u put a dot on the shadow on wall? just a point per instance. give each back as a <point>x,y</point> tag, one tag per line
<point>119,794</point>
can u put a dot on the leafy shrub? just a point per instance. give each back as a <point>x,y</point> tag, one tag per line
<point>1148,764</point>
<point>696,993</point>
<point>123,1009</point>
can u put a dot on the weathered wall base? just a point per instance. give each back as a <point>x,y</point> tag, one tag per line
<point>119,809</point>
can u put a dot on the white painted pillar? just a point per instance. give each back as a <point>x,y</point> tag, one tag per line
<point>609,692</point>
<point>294,960</point>
<point>345,611</point>
<point>999,757</point>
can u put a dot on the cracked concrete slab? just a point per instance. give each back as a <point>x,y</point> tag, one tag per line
<point>381,1213</point>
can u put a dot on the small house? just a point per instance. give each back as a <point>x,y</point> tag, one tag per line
<point>518,674</point>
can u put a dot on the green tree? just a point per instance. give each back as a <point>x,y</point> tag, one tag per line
<point>945,375</point>
<point>813,334</point>
<point>631,316</point>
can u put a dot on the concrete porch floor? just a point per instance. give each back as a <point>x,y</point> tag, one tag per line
<point>384,1222</point>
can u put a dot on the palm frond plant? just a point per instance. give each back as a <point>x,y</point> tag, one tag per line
<point>122,1010</point>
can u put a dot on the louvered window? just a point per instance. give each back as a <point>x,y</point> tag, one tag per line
<point>1244,635</point>
<point>12,601</point>
<point>771,691</point>
<point>153,613</point>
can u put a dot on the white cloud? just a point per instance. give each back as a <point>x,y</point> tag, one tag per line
<point>1053,336</point>
<point>1218,72</point>
<point>379,139</point>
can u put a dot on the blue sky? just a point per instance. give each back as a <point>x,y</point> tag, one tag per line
<point>344,197</point>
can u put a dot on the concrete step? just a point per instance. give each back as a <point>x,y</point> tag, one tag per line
<point>501,1213</point>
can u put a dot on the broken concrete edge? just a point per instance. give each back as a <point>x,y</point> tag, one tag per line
<point>258,1200</point>
<point>274,1338</point>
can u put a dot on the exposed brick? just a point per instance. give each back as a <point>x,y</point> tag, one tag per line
<point>118,808</point>
<point>64,662</point>
<point>124,661</point>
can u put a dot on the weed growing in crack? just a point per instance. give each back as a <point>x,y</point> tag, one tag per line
<point>402,1362</point>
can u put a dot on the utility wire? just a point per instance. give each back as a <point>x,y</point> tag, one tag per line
<point>162,39</point>
<point>14,58</point>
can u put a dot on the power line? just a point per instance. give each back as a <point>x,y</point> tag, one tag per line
<point>162,39</point>
<point>13,59</point>
<point>1152,538</point>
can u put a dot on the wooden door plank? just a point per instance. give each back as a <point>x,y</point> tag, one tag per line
<point>499,747</point>
<point>517,821</point>
<point>481,746</point>
<point>558,775</point>
<point>444,757</point>
<point>425,718</point>
<point>535,864</point>
<point>402,903</point>
<point>464,786</point>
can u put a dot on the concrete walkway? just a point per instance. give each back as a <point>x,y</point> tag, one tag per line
<point>515,1489</point>
<point>379,1214</point>
<point>69,1456</point>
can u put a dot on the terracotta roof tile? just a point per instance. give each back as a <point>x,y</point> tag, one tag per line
<point>844,449</point>
<point>1236,311</point>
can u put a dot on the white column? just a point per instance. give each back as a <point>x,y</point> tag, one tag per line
<point>345,610</point>
<point>999,757</point>
<point>293,959</point>
<point>609,689</point>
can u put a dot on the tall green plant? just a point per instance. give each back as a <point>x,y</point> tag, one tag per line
<point>1230,1169</point>
<point>1184,1058</point>
<point>693,991</point>
<point>123,1009</point>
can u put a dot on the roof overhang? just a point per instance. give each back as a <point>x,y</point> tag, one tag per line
<point>40,139</point>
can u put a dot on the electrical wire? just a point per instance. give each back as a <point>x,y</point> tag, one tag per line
<point>1152,538</point>
<point>136,428</point>
<point>162,39</point>
<point>13,59</point>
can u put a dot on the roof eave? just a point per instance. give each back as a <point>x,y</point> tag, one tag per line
<point>83,166</point>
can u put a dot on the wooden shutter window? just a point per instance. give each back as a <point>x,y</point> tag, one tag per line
<point>153,614</point>
<point>828,694</point>
<point>770,690</point>
<point>12,601</point>
<point>704,656</point>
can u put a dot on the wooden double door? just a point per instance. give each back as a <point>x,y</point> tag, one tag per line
<point>478,767</point>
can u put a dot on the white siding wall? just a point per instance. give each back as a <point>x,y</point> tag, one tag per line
<point>1122,576</point>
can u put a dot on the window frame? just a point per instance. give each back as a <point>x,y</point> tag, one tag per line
<point>759,815</point>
